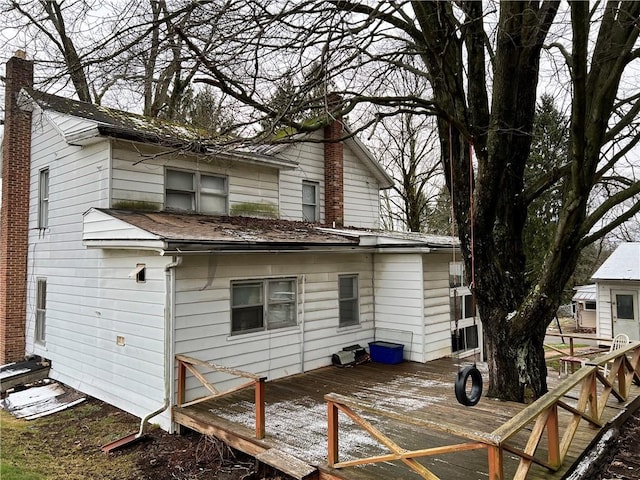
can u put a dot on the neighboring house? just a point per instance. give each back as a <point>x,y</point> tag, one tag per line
<point>127,240</point>
<point>618,288</point>
<point>584,306</point>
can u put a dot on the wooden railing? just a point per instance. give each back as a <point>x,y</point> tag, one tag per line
<point>186,363</point>
<point>595,390</point>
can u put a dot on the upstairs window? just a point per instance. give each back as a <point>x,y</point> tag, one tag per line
<point>43,198</point>
<point>196,192</point>
<point>263,305</point>
<point>348,300</point>
<point>310,210</point>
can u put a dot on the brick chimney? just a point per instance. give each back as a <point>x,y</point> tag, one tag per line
<point>334,167</point>
<point>14,213</point>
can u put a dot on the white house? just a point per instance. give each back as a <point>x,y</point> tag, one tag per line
<point>584,306</point>
<point>618,288</point>
<point>127,240</point>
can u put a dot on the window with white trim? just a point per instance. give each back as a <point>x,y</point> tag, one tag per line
<point>195,192</point>
<point>348,300</point>
<point>310,210</point>
<point>41,308</point>
<point>43,198</point>
<point>264,304</point>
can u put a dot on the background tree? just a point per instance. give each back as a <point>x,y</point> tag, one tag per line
<point>410,153</point>
<point>549,149</point>
<point>483,70</point>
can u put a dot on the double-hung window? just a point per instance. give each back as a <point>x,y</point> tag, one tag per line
<point>310,210</point>
<point>348,300</point>
<point>41,308</point>
<point>43,198</point>
<point>195,192</point>
<point>265,304</point>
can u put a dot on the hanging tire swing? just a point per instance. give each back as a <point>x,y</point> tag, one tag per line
<point>467,397</point>
<point>473,397</point>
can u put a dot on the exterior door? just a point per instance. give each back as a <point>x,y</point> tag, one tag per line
<point>625,313</point>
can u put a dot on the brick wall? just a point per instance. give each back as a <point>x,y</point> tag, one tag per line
<point>14,214</point>
<point>334,174</point>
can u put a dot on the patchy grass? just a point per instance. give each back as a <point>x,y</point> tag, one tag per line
<point>66,445</point>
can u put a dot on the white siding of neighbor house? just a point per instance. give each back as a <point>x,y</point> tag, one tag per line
<point>90,297</point>
<point>436,306</point>
<point>399,302</point>
<point>604,304</point>
<point>203,318</point>
<point>603,311</point>
<point>361,189</point>
<point>138,176</point>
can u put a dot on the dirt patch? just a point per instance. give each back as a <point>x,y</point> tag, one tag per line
<point>66,446</point>
<point>624,463</point>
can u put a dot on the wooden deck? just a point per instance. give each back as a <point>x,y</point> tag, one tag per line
<point>414,394</point>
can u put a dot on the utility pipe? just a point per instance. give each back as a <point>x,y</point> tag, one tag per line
<point>169,270</point>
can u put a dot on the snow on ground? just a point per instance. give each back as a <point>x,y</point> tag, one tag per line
<point>306,420</point>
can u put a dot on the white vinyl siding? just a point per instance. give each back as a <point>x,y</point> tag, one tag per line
<point>400,301</point>
<point>361,189</point>
<point>361,193</point>
<point>90,300</point>
<point>310,157</point>
<point>138,178</point>
<point>203,311</point>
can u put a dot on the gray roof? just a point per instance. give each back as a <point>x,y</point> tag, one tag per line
<point>623,264</point>
<point>195,232</point>
<point>585,293</point>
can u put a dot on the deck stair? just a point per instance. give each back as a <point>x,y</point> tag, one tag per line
<point>288,464</point>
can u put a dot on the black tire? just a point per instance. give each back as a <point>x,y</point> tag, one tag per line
<point>476,386</point>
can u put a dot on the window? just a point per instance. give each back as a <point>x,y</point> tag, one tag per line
<point>140,273</point>
<point>456,274</point>
<point>41,305</point>
<point>464,339</point>
<point>310,201</point>
<point>263,305</point>
<point>624,306</point>
<point>589,305</point>
<point>461,306</point>
<point>195,192</point>
<point>348,300</point>
<point>43,199</point>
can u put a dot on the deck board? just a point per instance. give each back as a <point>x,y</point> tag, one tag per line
<point>296,420</point>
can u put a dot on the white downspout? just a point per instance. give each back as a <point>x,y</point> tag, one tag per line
<point>169,312</point>
<point>302,326</point>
